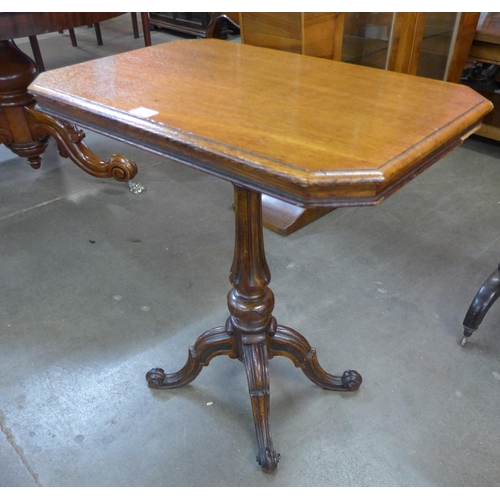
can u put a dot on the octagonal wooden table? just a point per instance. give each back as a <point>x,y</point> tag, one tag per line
<point>305,130</point>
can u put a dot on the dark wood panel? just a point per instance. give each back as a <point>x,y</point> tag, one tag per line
<point>21,24</point>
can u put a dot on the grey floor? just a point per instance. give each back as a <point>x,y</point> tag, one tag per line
<point>99,285</point>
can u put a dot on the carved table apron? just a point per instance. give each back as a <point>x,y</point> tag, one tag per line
<point>305,130</point>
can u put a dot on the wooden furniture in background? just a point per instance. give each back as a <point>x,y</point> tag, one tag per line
<point>98,34</point>
<point>199,24</point>
<point>24,130</point>
<point>427,44</point>
<point>308,33</point>
<point>486,48</point>
<point>285,133</point>
<point>431,44</point>
<point>99,16</point>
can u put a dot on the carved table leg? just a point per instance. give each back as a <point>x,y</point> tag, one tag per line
<point>212,343</point>
<point>251,304</point>
<point>25,131</point>
<point>71,145</point>
<point>484,299</point>
<point>251,333</point>
<point>291,344</point>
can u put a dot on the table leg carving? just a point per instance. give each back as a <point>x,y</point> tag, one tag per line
<point>251,333</point>
<point>26,131</point>
<point>71,145</point>
<point>251,303</point>
<point>214,342</point>
<point>291,344</point>
<point>255,360</point>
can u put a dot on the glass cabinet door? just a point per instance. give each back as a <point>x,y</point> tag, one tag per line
<point>367,38</point>
<point>440,32</point>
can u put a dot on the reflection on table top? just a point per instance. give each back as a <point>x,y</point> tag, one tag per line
<point>307,130</point>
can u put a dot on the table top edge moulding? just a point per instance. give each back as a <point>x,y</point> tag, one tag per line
<point>308,130</point>
<point>250,148</point>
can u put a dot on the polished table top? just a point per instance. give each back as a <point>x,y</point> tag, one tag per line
<point>310,131</point>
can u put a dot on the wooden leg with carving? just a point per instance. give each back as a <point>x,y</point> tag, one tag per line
<point>71,145</point>
<point>251,304</point>
<point>256,364</point>
<point>251,333</point>
<point>26,131</point>
<point>291,344</point>
<point>214,342</point>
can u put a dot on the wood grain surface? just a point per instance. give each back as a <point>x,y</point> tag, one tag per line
<point>307,130</point>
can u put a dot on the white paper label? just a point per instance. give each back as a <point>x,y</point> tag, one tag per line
<point>143,112</point>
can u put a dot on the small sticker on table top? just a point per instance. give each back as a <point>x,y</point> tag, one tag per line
<point>143,112</point>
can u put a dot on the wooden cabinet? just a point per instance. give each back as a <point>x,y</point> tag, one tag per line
<point>309,33</point>
<point>199,24</point>
<point>486,48</point>
<point>432,44</point>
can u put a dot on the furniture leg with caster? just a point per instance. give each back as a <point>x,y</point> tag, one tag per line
<point>484,299</point>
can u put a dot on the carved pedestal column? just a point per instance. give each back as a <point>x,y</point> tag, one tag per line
<point>251,304</point>
<point>17,71</point>
<point>251,333</point>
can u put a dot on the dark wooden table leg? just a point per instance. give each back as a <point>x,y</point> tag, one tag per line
<point>145,28</point>
<point>251,333</point>
<point>135,25</point>
<point>484,299</point>
<point>26,131</point>
<point>37,53</point>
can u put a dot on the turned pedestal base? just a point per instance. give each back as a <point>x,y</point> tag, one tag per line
<point>251,333</point>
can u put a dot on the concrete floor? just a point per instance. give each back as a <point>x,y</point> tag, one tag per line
<point>100,285</point>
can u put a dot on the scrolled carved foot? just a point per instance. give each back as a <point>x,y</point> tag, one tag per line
<point>155,378</point>
<point>351,380</point>
<point>135,187</point>
<point>268,460</point>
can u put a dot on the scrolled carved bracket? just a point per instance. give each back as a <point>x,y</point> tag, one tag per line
<point>292,345</point>
<point>70,143</point>
<point>214,342</point>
